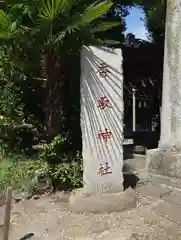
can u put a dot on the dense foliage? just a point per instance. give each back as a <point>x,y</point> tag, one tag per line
<point>40,72</point>
<point>36,53</point>
<point>155,13</point>
<point>40,42</point>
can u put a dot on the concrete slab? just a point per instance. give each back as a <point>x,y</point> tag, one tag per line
<point>80,202</point>
<point>164,180</point>
<point>162,162</point>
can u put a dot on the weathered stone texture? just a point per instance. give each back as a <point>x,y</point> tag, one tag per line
<point>171,96</point>
<point>102,80</point>
<point>164,162</point>
<point>81,202</point>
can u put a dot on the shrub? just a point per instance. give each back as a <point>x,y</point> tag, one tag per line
<point>65,166</point>
<point>62,166</point>
<point>16,132</point>
<point>18,172</point>
<point>57,151</point>
<point>67,176</point>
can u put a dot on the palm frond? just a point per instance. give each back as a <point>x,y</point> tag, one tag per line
<point>107,42</point>
<point>51,8</point>
<point>66,5</point>
<point>59,37</point>
<point>103,26</point>
<point>96,10</point>
<point>93,12</point>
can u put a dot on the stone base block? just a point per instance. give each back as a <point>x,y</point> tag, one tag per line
<point>165,163</point>
<point>81,202</point>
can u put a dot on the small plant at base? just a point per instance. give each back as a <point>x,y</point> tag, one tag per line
<point>20,174</point>
<point>68,176</point>
<point>56,151</point>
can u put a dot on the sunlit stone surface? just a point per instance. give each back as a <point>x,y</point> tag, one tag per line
<point>166,159</point>
<point>102,119</point>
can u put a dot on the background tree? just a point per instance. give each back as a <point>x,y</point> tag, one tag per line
<point>155,14</point>
<point>31,62</point>
<point>40,43</point>
<point>40,35</point>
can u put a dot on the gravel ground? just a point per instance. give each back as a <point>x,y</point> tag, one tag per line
<point>158,208</point>
<point>49,218</point>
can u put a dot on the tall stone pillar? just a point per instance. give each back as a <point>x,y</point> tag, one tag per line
<point>166,159</point>
<point>102,133</point>
<point>102,119</point>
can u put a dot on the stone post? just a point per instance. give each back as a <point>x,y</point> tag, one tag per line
<point>102,133</point>
<point>102,119</point>
<point>166,159</point>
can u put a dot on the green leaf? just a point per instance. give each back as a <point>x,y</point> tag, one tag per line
<point>5,26</point>
<point>103,26</point>
<point>95,11</point>
<point>13,26</point>
<point>59,37</point>
<point>80,21</point>
<point>107,41</point>
<point>51,8</point>
<point>66,5</point>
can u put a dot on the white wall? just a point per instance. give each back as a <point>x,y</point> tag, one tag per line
<point>93,119</point>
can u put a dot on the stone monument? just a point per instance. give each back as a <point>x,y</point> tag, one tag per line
<point>102,119</point>
<point>166,160</point>
<point>102,132</point>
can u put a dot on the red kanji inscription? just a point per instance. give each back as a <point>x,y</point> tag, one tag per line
<point>103,102</point>
<point>104,135</point>
<point>103,70</point>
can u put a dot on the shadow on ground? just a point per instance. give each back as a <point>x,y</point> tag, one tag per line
<point>130,179</point>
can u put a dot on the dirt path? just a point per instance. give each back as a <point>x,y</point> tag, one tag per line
<point>156,217</point>
<point>49,219</point>
<point>157,210</point>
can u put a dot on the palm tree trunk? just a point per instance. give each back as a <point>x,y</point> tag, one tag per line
<point>55,93</point>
